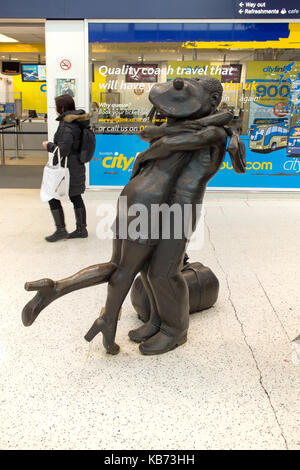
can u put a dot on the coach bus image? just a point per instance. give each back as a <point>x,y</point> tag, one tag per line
<point>267,135</point>
<point>293,146</point>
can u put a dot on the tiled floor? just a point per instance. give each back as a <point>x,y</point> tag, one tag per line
<point>234,385</point>
<point>26,157</point>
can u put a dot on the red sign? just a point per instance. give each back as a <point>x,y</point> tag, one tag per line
<point>231,73</point>
<point>141,73</point>
<point>65,64</point>
<point>281,109</point>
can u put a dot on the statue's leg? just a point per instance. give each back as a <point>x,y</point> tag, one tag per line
<point>49,290</point>
<point>171,296</point>
<point>151,327</point>
<point>133,258</point>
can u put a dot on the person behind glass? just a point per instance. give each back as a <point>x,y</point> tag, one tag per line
<point>68,139</point>
<point>94,115</point>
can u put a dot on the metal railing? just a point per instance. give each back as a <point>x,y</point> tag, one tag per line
<point>17,132</point>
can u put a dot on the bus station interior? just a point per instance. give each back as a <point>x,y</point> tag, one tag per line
<point>130,106</point>
<point>27,97</point>
<point>235,384</point>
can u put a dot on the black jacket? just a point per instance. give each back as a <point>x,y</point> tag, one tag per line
<point>68,139</point>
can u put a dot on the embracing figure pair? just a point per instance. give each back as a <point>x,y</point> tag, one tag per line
<point>184,154</point>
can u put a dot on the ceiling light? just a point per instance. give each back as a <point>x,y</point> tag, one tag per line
<point>4,38</point>
<point>14,58</point>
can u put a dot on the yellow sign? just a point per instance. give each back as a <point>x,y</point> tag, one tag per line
<point>272,70</point>
<point>9,47</point>
<point>98,79</point>
<point>273,83</point>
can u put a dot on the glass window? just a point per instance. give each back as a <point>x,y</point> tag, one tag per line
<point>128,58</point>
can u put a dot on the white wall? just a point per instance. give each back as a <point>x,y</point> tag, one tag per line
<point>6,89</point>
<point>65,40</point>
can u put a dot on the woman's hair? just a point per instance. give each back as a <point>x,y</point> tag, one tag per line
<point>64,103</point>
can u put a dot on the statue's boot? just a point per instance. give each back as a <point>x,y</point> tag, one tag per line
<point>171,294</point>
<point>162,342</point>
<point>148,329</point>
<point>108,331</point>
<point>49,290</point>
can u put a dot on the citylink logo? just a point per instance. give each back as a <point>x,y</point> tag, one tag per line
<point>118,161</point>
<point>275,69</point>
<point>292,165</point>
<point>250,166</point>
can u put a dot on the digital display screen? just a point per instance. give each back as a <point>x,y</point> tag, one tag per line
<point>33,73</point>
<point>141,73</point>
<point>231,73</point>
<point>11,68</point>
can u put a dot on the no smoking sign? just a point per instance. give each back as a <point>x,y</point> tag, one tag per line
<point>65,64</point>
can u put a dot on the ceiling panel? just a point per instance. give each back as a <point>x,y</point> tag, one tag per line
<point>28,33</point>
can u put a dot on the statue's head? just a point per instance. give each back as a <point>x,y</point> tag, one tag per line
<point>187,97</point>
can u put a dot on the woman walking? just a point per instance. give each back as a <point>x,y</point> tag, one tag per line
<point>68,139</point>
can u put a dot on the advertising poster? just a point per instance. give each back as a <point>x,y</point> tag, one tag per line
<point>269,118</point>
<point>33,73</point>
<point>272,92</point>
<point>114,156</point>
<point>65,86</point>
<point>264,171</point>
<point>272,137</point>
<point>293,145</point>
<point>7,108</point>
<point>141,73</point>
<point>112,163</point>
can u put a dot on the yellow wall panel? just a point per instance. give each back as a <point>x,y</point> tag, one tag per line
<point>32,95</point>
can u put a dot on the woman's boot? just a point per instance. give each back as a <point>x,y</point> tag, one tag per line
<point>152,326</point>
<point>59,220</point>
<point>108,331</point>
<point>81,231</point>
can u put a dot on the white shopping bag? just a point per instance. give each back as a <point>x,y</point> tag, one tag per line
<point>56,179</point>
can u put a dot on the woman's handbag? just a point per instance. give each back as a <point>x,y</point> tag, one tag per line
<point>56,179</point>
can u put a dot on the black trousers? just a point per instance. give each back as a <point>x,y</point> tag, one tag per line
<point>76,200</point>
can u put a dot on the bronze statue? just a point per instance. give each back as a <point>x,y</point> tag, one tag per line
<point>184,154</point>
